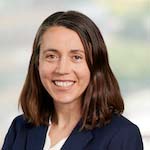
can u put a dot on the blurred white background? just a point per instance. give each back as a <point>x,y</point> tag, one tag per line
<point>125,25</point>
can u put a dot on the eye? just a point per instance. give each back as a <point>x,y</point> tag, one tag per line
<point>52,57</point>
<point>77,58</point>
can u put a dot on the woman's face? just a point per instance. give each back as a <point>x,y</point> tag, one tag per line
<point>62,65</point>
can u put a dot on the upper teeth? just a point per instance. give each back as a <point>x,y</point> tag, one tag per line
<point>63,84</point>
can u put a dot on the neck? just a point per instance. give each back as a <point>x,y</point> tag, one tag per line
<point>66,115</point>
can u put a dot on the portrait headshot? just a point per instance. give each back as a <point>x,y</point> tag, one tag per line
<point>71,98</point>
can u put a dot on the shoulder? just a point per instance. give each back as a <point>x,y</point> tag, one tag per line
<point>17,126</point>
<point>119,125</point>
<point>20,119</point>
<point>19,122</point>
<point>121,122</point>
<point>120,133</point>
<point>126,134</point>
<point>124,127</point>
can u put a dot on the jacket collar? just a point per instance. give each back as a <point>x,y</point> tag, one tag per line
<point>76,141</point>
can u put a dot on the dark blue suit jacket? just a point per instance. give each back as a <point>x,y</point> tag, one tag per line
<point>120,134</point>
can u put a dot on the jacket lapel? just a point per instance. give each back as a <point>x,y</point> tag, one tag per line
<point>36,138</point>
<point>78,139</point>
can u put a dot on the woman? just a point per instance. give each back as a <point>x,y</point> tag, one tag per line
<point>71,99</point>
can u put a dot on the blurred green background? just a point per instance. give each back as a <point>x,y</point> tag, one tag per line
<point>125,26</point>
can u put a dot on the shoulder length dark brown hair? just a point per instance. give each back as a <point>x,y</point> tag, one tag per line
<point>102,97</point>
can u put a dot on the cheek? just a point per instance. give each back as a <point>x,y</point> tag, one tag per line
<point>84,75</point>
<point>43,71</point>
<point>87,77</point>
<point>44,76</point>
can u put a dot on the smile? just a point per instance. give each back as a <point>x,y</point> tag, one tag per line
<point>63,83</point>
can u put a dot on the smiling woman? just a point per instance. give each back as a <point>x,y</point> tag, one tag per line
<point>63,69</point>
<point>71,99</point>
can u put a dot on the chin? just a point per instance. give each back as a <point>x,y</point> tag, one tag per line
<point>65,100</point>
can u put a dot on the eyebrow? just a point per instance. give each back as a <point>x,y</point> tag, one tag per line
<point>56,51</point>
<point>77,50</point>
<point>50,49</point>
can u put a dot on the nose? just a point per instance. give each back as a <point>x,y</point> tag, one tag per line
<point>63,66</point>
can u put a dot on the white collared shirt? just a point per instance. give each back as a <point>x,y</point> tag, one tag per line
<point>47,145</point>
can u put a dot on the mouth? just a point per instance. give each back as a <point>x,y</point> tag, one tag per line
<point>63,83</point>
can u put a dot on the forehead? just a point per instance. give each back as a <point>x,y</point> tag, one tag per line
<point>59,37</point>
